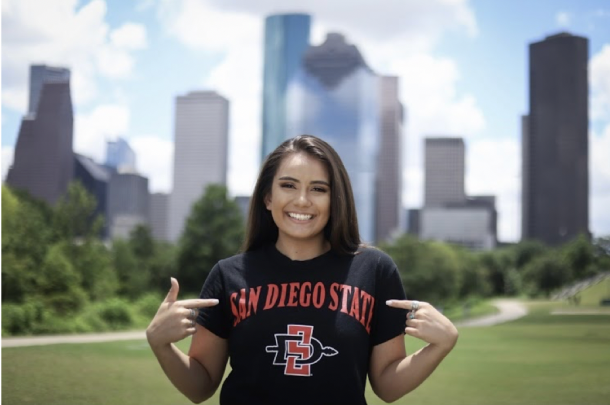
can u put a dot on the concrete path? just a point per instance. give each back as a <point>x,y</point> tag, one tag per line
<point>85,338</point>
<point>509,310</point>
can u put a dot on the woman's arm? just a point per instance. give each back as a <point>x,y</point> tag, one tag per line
<point>198,374</point>
<point>392,373</point>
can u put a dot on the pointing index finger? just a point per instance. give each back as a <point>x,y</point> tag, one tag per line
<point>404,304</point>
<point>198,303</point>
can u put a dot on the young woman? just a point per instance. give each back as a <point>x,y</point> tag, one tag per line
<point>306,312</point>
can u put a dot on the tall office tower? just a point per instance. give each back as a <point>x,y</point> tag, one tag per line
<point>128,203</point>
<point>200,152</point>
<point>335,96</point>
<point>94,178</point>
<point>555,192</point>
<point>120,156</point>
<point>39,75</point>
<point>390,214</point>
<point>286,39</point>
<point>159,208</point>
<point>444,172</point>
<point>448,214</point>
<point>43,163</point>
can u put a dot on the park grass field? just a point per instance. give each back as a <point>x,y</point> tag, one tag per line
<point>538,359</point>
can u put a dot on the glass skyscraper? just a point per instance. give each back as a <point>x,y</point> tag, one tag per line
<point>120,156</point>
<point>286,39</point>
<point>335,95</point>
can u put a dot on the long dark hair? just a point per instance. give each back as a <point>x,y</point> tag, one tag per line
<point>342,227</point>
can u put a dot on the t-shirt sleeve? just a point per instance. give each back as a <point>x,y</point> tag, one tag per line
<point>215,318</point>
<point>388,322</point>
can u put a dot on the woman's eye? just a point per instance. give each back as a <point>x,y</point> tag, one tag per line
<point>319,189</point>
<point>287,185</point>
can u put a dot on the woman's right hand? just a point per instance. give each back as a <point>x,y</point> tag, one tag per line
<point>175,319</point>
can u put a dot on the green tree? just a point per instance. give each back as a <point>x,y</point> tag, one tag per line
<point>93,260</point>
<point>59,284</point>
<point>142,243</point>
<point>162,266</point>
<point>545,274</point>
<point>473,280</point>
<point>213,231</point>
<point>133,281</point>
<point>74,215</point>
<point>26,237</point>
<point>526,251</point>
<point>601,251</point>
<point>497,265</point>
<point>579,257</point>
<point>430,271</point>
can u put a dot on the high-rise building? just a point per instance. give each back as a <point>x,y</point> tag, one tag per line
<point>128,203</point>
<point>120,156</point>
<point>43,163</point>
<point>286,39</point>
<point>390,214</point>
<point>555,189</point>
<point>200,152</point>
<point>449,215</point>
<point>335,96</point>
<point>159,208</point>
<point>444,171</point>
<point>39,75</point>
<point>94,178</point>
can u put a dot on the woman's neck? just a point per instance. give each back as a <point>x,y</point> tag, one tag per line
<point>302,250</point>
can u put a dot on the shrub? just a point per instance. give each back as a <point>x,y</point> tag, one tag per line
<point>116,313</point>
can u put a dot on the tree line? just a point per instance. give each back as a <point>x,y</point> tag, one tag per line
<point>59,276</point>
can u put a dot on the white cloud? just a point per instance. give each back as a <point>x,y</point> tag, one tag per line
<point>129,36</point>
<point>428,83</point>
<point>7,160</point>
<point>563,18</point>
<point>381,21</point>
<point>599,168</point>
<point>93,129</point>
<point>67,34</point>
<point>154,160</point>
<point>599,71</point>
<point>198,25</point>
<point>243,88</point>
<point>493,168</point>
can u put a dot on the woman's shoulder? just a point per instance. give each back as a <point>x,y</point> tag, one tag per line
<point>373,253</point>
<point>240,260</point>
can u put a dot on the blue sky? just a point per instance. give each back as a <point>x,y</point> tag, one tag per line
<point>462,67</point>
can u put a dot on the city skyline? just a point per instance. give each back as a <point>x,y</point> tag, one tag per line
<point>462,68</point>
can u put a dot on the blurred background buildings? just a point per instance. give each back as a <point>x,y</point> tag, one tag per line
<point>330,91</point>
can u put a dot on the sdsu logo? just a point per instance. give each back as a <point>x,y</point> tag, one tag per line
<point>297,350</point>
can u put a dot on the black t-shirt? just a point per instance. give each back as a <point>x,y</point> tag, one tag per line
<point>301,332</point>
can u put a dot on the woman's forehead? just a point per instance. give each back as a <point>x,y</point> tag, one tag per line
<point>303,165</point>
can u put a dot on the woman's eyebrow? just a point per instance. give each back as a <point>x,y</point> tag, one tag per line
<point>288,178</point>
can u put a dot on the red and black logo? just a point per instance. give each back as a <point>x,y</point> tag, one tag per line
<point>297,350</point>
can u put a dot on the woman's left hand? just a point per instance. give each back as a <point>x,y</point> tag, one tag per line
<point>426,323</point>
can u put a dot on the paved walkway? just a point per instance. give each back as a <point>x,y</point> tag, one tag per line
<point>508,310</point>
<point>85,338</point>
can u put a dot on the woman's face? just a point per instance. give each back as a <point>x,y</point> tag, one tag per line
<point>300,199</point>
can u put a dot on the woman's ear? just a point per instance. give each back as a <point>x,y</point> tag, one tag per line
<point>268,201</point>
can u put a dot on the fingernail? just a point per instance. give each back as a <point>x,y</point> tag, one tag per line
<point>389,302</point>
<point>215,301</point>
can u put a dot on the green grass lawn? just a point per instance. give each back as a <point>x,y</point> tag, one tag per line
<point>594,294</point>
<point>539,359</point>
